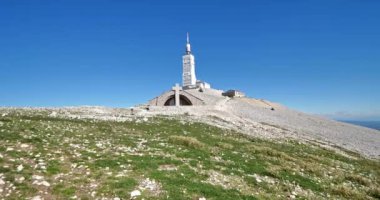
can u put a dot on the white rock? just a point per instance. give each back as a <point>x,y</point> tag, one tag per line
<point>116,198</point>
<point>53,114</point>
<point>135,193</point>
<point>37,198</point>
<point>257,178</point>
<point>2,182</point>
<point>202,198</point>
<point>24,146</point>
<point>45,183</point>
<point>37,177</point>
<point>148,184</point>
<point>20,168</point>
<point>1,156</point>
<point>21,179</point>
<point>9,149</point>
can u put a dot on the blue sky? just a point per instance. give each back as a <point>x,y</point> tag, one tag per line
<point>320,57</point>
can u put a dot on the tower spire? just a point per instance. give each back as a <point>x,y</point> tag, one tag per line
<point>188,48</point>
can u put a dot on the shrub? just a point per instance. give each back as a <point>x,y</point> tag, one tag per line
<point>374,192</point>
<point>358,179</point>
<point>225,145</point>
<point>186,141</point>
<point>347,192</point>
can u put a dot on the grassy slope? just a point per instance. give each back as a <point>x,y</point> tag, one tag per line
<point>88,159</point>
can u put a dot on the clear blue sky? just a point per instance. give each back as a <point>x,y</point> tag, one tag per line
<point>319,57</point>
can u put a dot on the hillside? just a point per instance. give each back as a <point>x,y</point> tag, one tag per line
<point>268,120</point>
<point>101,153</point>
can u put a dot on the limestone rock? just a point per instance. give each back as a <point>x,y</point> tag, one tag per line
<point>45,183</point>
<point>37,198</point>
<point>135,193</point>
<point>20,168</point>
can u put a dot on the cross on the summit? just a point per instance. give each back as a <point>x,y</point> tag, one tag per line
<point>176,89</point>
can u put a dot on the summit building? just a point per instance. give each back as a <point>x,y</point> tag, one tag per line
<point>193,92</point>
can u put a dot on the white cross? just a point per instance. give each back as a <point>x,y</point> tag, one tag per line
<point>176,89</point>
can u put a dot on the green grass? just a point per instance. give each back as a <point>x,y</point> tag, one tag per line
<point>302,181</point>
<point>63,191</point>
<point>95,159</point>
<point>53,167</point>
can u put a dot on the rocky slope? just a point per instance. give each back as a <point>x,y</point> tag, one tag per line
<point>265,119</point>
<point>104,153</point>
<point>254,117</point>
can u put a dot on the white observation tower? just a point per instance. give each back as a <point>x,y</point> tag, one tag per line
<point>188,76</point>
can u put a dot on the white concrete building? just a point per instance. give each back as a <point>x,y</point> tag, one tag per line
<point>193,92</point>
<point>188,67</point>
<point>203,85</point>
<point>233,93</point>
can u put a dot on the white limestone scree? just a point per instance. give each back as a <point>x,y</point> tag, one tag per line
<point>188,67</point>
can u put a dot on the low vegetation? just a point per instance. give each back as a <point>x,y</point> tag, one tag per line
<point>58,158</point>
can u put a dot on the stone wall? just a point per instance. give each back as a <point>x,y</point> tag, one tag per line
<point>160,100</point>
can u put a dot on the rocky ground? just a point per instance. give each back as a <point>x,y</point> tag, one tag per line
<point>254,117</point>
<point>265,119</point>
<point>198,153</point>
